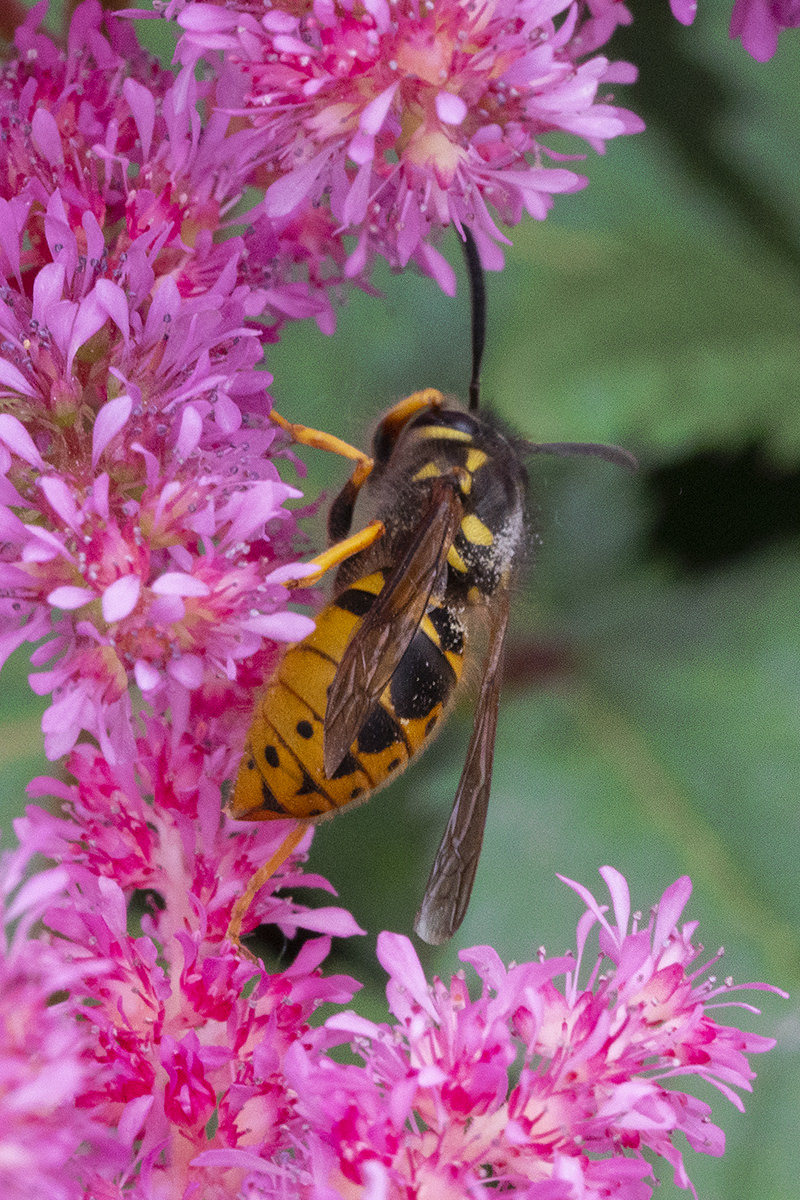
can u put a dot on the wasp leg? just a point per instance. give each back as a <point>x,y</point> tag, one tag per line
<point>306,436</point>
<point>340,513</point>
<point>338,553</point>
<point>397,418</point>
<point>257,881</point>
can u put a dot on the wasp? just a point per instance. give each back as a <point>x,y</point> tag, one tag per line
<point>353,703</point>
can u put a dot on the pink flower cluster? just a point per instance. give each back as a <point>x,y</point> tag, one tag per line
<point>405,117</point>
<point>163,1062</point>
<point>123,1055</point>
<point>144,528</point>
<point>544,1089</point>
<point>145,546</point>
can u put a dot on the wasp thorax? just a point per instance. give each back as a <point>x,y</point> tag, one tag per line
<point>491,482</point>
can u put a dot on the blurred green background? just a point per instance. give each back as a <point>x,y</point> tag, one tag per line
<point>651,715</point>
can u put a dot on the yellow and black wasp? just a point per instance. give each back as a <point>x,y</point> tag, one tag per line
<point>351,704</point>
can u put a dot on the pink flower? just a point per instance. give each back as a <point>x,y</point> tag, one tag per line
<point>137,503</point>
<point>146,546</point>
<point>142,518</point>
<point>106,127</point>
<point>156,828</point>
<point>189,1066</point>
<point>409,118</point>
<point>45,1054</point>
<point>144,523</point>
<point>437,1112</point>
<point>171,1040</point>
<point>759,22</point>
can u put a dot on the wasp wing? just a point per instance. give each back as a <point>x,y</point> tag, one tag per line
<point>375,650</point>
<point>453,872</point>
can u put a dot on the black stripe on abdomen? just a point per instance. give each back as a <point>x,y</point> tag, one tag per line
<point>423,679</point>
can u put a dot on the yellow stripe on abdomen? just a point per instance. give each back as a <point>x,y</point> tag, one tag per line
<point>281,773</point>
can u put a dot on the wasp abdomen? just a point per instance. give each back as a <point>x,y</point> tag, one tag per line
<point>282,775</point>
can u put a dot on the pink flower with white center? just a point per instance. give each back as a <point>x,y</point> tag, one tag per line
<point>436,1112</point>
<point>409,117</point>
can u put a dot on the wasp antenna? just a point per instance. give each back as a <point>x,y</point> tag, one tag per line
<point>477,292</point>
<point>612,454</point>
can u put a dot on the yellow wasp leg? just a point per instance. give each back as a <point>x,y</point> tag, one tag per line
<point>402,412</point>
<point>391,426</point>
<point>257,881</point>
<point>306,436</point>
<point>389,430</point>
<point>397,416</point>
<point>338,553</point>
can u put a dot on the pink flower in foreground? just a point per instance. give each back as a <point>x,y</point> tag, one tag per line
<point>409,117</point>
<point>172,1040</point>
<point>437,1110</point>
<point>45,1054</point>
<point>189,1067</point>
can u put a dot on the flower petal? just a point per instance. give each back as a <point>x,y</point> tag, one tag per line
<point>14,434</point>
<point>178,583</point>
<point>120,598</point>
<point>109,421</point>
<point>70,598</point>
